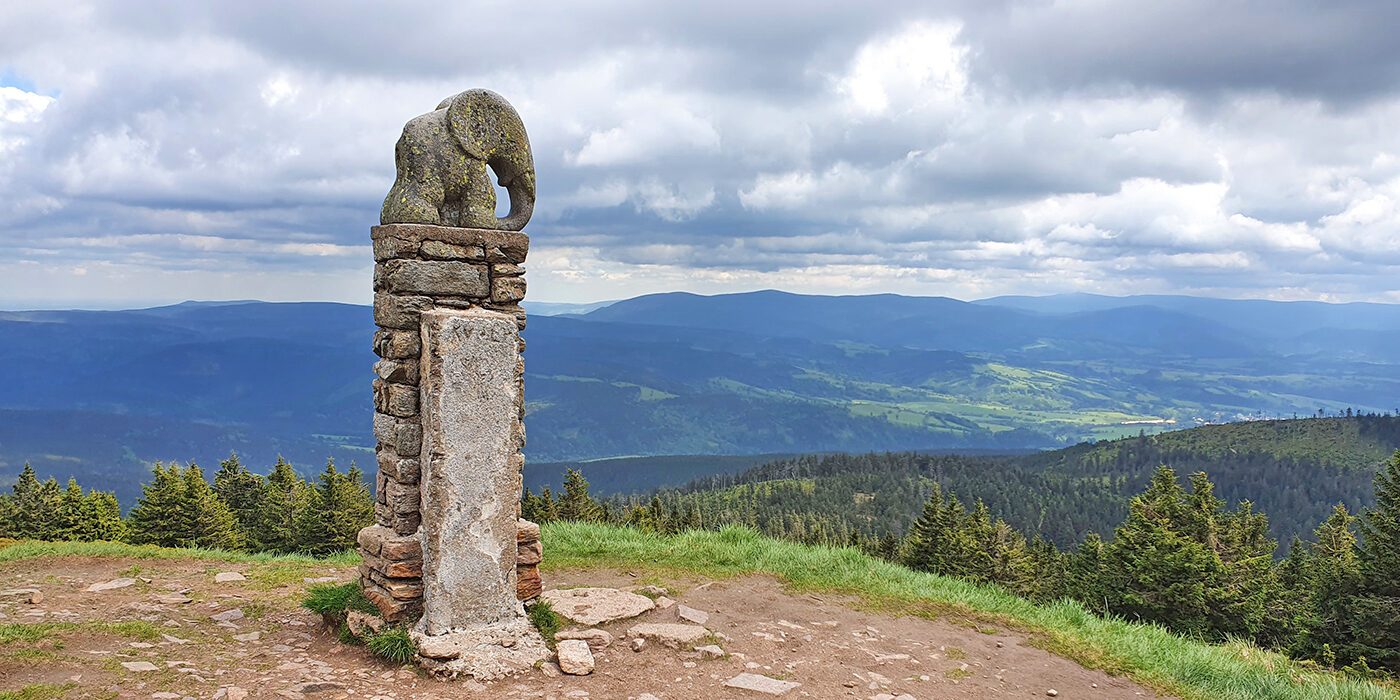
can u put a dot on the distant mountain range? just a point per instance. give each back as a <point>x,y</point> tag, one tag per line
<point>100,394</point>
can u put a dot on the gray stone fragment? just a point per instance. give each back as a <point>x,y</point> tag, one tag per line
<point>139,666</point>
<point>575,658</point>
<point>400,312</point>
<point>228,576</point>
<point>228,615</point>
<point>710,651</point>
<point>760,684</point>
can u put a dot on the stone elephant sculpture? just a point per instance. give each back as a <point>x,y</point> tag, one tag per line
<point>442,161</point>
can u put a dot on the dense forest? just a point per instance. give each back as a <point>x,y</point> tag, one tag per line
<point>1295,470</point>
<point>241,510</point>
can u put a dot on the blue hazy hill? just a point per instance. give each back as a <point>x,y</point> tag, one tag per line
<point>100,394</point>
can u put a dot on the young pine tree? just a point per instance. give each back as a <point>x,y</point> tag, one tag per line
<point>284,499</point>
<point>213,525</point>
<point>161,516</point>
<point>1375,624</point>
<point>1333,580</point>
<point>339,505</point>
<point>576,504</point>
<point>243,491</point>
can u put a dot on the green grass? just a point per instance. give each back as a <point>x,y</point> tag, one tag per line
<point>32,634</point>
<point>548,622</point>
<point>393,644</point>
<point>29,549</point>
<point>38,691</point>
<point>1148,654</point>
<point>335,600</point>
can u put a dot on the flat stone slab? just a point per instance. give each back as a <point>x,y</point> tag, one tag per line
<point>686,613</point>
<point>228,615</point>
<point>670,634</point>
<point>596,606</point>
<point>33,596</point>
<point>575,658</point>
<point>111,585</point>
<point>760,684</point>
<point>139,666</point>
<point>597,639</point>
<point>227,576</point>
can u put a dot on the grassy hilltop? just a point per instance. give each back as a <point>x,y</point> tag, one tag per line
<point>1145,653</point>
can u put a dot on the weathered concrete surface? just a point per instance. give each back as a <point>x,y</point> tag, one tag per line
<point>470,399</point>
<point>485,653</point>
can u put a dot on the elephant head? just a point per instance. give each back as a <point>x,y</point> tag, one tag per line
<point>442,161</point>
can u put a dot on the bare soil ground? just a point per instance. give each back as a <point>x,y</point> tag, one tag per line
<point>832,649</point>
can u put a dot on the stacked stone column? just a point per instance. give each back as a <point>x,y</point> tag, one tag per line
<point>419,268</point>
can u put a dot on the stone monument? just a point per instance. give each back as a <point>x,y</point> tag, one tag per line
<point>448,547</point>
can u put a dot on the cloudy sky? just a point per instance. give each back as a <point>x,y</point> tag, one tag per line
<point>159,151</point>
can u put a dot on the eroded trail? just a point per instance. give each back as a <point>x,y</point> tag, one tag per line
<point>173,630</point>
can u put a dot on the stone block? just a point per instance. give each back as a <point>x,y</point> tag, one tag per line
<point>470,488</point>
<point>507,290</point>
<point>402,436</point>
<point>403,498</point>
<point>383,515</point>
<point>397,467</point>
<point>528,584</point>
<point>401,548</point>
<point>436,278</point>
<point>398,371</point>
<point>440,250</point>
<point>393,569</point>
<point>397,345</point>
<point>388,248</point>
<point>371,539</point>
<point>399,400</point>
<point>528,554</point>
<point>391,609</point>
<point>575,658</point>
<point>406,523</point>
<point>506,270</point>
<point>380,486</point>
<point>526,531</point>
<point>399,312</point>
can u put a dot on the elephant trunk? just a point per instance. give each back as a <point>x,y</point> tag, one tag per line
<point>519,183</point>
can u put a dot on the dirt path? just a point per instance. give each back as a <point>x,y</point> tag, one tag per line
<point>276,650</point>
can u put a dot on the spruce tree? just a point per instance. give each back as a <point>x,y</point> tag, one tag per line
<point>104,518</point>
<point>923,548</point>
<point>576,503</point>
<point>284,499</point>
<point>212,524</point>
<point>338,506</point>
<point>1375,625</point>
<point>1155,573</point>
<point>161,516</point>
<point>1333,580</point>
<point>243,491</point>
<point>70,513</point>
<point>1085,576</point>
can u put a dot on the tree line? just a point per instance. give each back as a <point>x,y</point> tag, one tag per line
<point>240,511</point>
<point>1179,559</point>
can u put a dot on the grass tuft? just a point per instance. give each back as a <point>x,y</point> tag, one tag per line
<point>393,644</point>
<point>336,600</point>
<point>545,620</point>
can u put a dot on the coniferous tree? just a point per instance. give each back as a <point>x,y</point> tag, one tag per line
<point>339,505</point>
<point>576,504</point>
<point>161,515</point>
<point>1375,624</point>
<point>212,524</point>
<point>244,492</point>
<point>1288,609</point>
<point>70,514</point>
<point>1154,572</point>
<point>104,518</point>
<point>1333,579</point>
<point>284,499</point>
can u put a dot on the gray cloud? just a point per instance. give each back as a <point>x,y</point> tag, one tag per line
<point>242,149</point>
